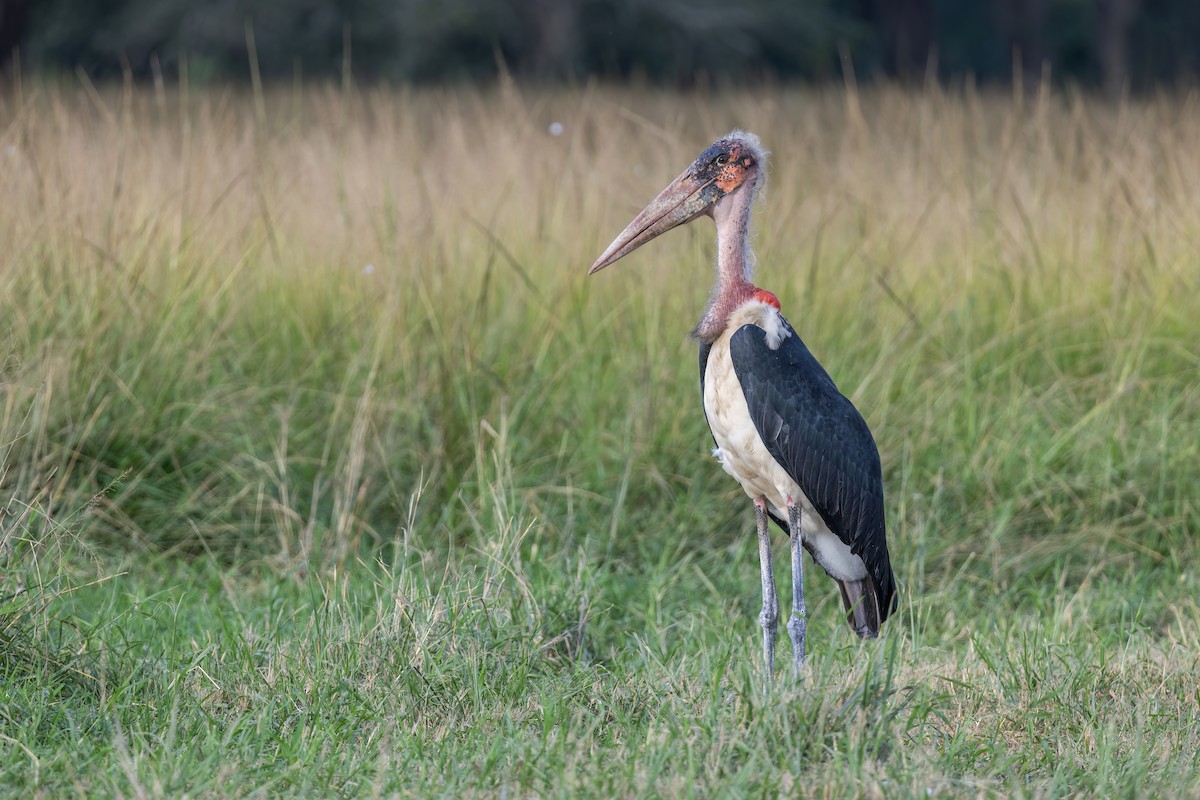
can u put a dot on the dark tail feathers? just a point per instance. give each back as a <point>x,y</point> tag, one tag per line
<point>862,606</point>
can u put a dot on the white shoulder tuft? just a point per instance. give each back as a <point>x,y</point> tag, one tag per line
<point>765,316</point>
<point>772,324</point>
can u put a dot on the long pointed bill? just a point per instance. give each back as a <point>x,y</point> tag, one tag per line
<point>685,199</point>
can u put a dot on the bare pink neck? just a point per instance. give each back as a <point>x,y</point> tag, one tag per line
<point>734,264</point>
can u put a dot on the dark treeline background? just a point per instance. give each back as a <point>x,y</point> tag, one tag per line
<point>1109,44</point>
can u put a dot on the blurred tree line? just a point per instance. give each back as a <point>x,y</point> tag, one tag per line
<point>1104,43</point>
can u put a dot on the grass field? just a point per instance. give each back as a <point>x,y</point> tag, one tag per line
<point>324,470</point>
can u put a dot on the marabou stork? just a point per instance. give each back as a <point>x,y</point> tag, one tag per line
<point>798,447</point>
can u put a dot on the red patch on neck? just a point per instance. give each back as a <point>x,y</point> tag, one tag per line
<point>763,296</point>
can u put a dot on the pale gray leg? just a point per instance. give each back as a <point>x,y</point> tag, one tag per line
<point>769,617</point>
<point>797,625</point>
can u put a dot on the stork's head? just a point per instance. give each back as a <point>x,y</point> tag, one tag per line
<point>730,166</point>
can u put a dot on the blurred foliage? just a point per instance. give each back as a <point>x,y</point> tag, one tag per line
<point>1092,42</point>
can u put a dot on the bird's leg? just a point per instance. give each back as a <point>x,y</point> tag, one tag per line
<point>769,617</point>
<point>797,625</point>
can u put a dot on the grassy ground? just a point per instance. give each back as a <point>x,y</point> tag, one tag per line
<point>324,471</point>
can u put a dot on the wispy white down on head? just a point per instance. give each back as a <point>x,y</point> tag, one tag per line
<point>751,142</point>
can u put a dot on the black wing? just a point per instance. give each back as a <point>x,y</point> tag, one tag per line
<point>819,437</point>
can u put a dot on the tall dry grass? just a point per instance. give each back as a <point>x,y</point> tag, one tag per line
<point>249,319</point>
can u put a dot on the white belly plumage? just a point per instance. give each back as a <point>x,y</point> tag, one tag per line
<point>743,454</point>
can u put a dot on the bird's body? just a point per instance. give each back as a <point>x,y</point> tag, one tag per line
<point>745,456</point>
<point>783,430</point>
<point>796,445</point>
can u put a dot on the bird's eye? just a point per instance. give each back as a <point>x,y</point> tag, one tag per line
<point>721,160</point>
